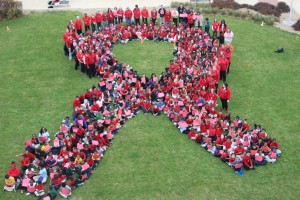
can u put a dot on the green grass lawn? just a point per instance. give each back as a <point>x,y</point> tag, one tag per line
<point>150,159</point>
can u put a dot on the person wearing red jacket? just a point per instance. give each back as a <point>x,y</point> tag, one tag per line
<point>168,18</point>
<point>224,94</point>
<point>93,63</point>
<point>110,16</point>
<point>128,16</point>
<point>153,16</point>
<point>88,63</point>
<point>24,162</point>
<point>66,36</point>
<point>247,161</point>
<point>215,27</point>
<point>99,19</point>
<point>191,20</point>
<point>78,25</point>
<point>87,22</point>
<point>145,15</point>
<point>93,23</point>
<point>223,63</point>
<point>120,14</point>
<point>136,15</point>
<point>228,55</point>
<point>14,171</point>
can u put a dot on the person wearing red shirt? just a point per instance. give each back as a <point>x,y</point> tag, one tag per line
<point>168,18</point>
<point>93,23</point>
<point>191,20</point>
<point>215,27</point>
<point>87,22</point>
<point>247,161</point>
<point>110,16</point>
<point>224,94</point>
<point>120,14</point>
<point>24,162</point>
<point>145,15</point>
<point>79,57</point>
<point>239,150</point>
<point>14,171</point>
<point>128,16</point>
<point>153,16</point>
<point>223,63</point>
<point>66,36</point>
<point>99,19</point>
<point>136,15</point>
<point>78,25</point>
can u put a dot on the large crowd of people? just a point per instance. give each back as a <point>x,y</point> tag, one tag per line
<point>186,92</point>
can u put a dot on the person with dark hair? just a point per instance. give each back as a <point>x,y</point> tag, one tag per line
<point>222,29</point>
<point>65,191</point>
<point>180,10</point>
<point>206,25</point>
<point>9,184</point>
<point>87,22</point>
<point>153,16</point>
<point>224,94</point>
<point>136,15</point>
<point>145,15</point>
<point>110,16</point>
<point>223,63</point>
<point>161,12</point>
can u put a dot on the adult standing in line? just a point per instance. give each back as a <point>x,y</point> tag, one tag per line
<point>115,12</point>
<point>215,27</point>
<point>224,94</point>
<point>137,15</point>
<point>128,16</point>
<point>228,36</point>
<point>175,15</point>
<point>93,23</point>
<point>66,36</point>
<point>180,10</point>
<point>206,25</point>
<point>87,22</point>
<point>78,25</point>
<point>222,29</point>
<point>120,14</point>
<point>161,12</point>
<point>168,18</point>
<point>145,15</point>
<point>191,20</point>
<point>153,16</point>
<point>223,63</point>
<point>110,16</point>
<point>99,19</point>
<point>199,20</point>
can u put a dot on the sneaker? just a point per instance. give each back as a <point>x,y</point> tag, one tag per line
<point>27,193</point>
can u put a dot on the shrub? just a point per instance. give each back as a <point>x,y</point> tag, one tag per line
<point>296,26</point>
<point>10,9</point>
<point>266,9</point>
<point>225,4</point>
<point>282,7</point>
